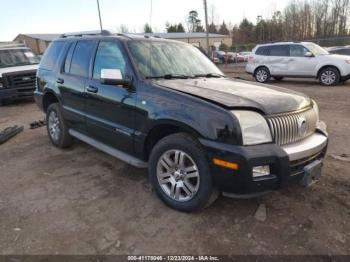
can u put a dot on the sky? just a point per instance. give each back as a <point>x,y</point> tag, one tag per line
<point>59,16</point>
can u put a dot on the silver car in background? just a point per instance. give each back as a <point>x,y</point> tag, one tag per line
<point>297,59</point>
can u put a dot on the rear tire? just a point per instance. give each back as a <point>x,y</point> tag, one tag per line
<point>278,78</point>
<point>329,76</point>
<point>262,75</point>
<point>179,173</point>
<point>57,128</point>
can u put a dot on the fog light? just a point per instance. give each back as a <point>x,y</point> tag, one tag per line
<point>259,171</point>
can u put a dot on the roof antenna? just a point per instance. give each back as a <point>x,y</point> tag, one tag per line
<point>99,14</point>
<point>151,14</point>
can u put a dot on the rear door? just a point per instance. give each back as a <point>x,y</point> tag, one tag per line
<point>278,59</point>
<point>109,108</point>
<point>71,82</point>
<point>299,64</point>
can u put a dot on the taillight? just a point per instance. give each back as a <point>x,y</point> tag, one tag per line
<point>250,58</point>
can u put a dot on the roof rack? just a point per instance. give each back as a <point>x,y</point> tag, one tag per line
<point>124,35</point>
<point>11,44</point>
<point>87,33</point>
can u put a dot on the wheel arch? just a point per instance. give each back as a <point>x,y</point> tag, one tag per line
<point>49,98</point>
<point>165,128</point>
<point>325,66</point>
<point>261,66</point>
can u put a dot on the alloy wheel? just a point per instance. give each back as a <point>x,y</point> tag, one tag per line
<point>54,126</point>
<point>178,175</point>
<point>261,75</point>
<point>328,77</point>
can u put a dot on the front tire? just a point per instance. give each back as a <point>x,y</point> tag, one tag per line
<point>329,76</point>
<point>57,128</point>
<point>262,75</point>
<point>179,173</point>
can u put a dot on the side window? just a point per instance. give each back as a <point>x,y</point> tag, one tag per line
<point>279,50</point>
<point>108,56</point>
<point>68,59</point>
<point>51,55</point>
<point>298,51</point>
<point>81,58</point>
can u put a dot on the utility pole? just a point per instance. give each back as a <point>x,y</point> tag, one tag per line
<point>99,14</point>
<point>206,26</point>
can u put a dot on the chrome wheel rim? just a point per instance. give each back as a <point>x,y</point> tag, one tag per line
<point>328,77</point>
<point>261,75</point>
<point>178,175</point>
<point>54,126</point>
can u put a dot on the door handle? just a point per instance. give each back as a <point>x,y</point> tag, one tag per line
<point>59,81</point>
<point>92,89</point>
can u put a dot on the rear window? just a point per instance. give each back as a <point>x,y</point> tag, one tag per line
<point>81,58</point>
<point>51,55</point>
<point>263,50</point>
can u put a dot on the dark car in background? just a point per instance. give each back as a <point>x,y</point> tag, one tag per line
<point>163,105</point>
<point>339,50</point>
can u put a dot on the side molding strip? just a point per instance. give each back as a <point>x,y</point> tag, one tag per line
<point>109,150</point>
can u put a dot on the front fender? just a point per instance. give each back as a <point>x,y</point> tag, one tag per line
<point>157,105</point>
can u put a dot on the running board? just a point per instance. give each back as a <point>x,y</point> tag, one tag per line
<point>109,150</point>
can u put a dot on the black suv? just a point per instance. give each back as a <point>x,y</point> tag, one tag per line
<point>164,105</point>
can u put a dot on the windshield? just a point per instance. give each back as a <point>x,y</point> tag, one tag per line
<point>159,59</point>
<point>316,49</point>
<point>17,57</point>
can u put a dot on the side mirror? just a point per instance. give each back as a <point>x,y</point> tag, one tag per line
<point>309,54</point>
<point>113,77</point>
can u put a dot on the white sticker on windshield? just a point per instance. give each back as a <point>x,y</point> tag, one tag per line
<point>29,54</point>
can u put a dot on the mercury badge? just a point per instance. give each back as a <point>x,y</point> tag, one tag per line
<point>301,126</point>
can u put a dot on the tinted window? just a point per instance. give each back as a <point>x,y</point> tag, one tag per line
<point>263,50</point>
<point>51,55</point>
<point>298,51</point>
<point>108,56</point>
<point>68,61</point>
<point>341,52</point>
<point>279,50</point>
<point>81,58</point>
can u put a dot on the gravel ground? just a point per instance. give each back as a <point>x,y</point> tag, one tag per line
<point>82,201</point>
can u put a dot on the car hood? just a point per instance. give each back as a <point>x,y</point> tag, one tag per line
<point>17,69</point>
<point>240,94</point>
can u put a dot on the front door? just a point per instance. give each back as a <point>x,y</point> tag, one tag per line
<point>109,108</point>
<point>299,64</point>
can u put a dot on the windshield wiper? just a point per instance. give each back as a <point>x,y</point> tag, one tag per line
<point>209,75</point>
<point>170,76</point>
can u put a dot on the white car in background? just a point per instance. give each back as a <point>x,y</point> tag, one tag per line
<point>297,59</point>
<point>18,65</point>
<point>245,55</point>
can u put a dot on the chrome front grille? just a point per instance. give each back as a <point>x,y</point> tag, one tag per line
<point>292,127</point>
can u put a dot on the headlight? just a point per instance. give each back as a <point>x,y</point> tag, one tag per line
<point>347,61</point>
<point>254,127</point>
